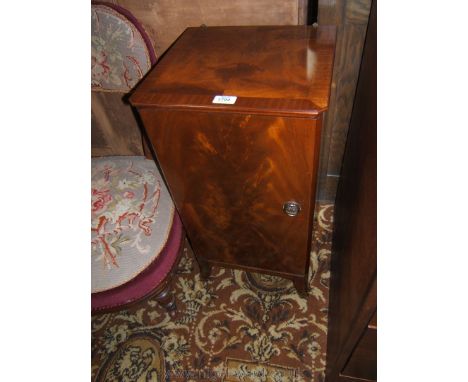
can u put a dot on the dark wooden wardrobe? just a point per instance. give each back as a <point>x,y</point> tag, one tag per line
<point>352,335</point>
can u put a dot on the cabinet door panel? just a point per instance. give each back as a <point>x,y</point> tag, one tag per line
<point>230,174</point>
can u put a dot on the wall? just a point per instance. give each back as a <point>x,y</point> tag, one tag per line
<point>165,20</point>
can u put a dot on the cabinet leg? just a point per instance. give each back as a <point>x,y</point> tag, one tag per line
<point>301,286</point>
<point>205,269</point>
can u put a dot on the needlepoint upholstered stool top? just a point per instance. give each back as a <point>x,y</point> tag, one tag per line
<point>132,214</point>
<point>121,52</point>
<point>136,234</point>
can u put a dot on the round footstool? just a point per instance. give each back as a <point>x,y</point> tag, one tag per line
<point>136,234</point>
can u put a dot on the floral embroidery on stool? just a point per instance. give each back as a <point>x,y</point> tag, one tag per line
<point>121,52</point>
<point>131,217</point>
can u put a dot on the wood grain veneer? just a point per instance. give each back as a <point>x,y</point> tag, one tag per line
<point>277,69</point>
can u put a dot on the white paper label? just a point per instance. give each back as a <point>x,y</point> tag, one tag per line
<point>224,99</point>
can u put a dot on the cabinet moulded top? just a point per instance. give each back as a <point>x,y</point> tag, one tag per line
<point>278,70</point>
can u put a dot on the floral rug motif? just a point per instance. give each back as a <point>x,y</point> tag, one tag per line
<point>139,359</point>
<point>237,326</point>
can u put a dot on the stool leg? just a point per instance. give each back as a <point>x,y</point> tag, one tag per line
<point>165,297</point>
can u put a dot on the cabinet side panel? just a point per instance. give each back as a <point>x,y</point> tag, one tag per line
<point>230,174</point>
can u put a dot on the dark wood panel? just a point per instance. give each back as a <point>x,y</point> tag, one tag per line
<point>345,378</point>
<point>353,285</point>
<point>230,174</point>
<point>363,361</point>
<point>349,60</point>
<point>373,321</point>
<point>327,12</point>
<point>350,18</point>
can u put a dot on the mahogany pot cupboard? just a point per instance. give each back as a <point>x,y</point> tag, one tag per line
<point>234,116</point>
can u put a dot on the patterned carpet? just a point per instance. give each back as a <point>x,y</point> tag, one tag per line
<point>235,327</point>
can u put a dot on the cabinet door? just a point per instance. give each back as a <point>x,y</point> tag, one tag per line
<point>230,174</point>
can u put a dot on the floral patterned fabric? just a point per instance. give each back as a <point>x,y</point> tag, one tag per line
<point>131,218</point>
<point>119,52</point>
<point>234,327</point>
